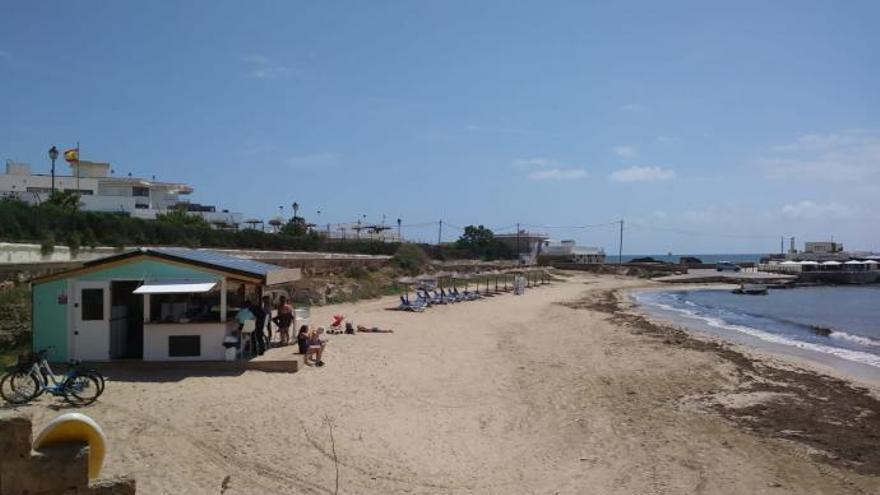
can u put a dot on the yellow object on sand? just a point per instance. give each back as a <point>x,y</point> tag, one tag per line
<point>76,427</point>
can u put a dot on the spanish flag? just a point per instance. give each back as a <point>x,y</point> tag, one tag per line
<point>72,155</point>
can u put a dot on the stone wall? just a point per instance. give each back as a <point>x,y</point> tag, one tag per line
<point>59,470</point>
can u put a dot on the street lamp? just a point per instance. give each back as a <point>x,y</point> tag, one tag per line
<point>53,155</point>
<point>295,206</point>
<point>399,239</point>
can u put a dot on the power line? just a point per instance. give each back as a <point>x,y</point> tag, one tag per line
<point>586,226</point>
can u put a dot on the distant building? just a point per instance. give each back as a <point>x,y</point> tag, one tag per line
<point>527,245</point>
<point>100,191</point>
<point>569,252</point>
<point>823,247</point>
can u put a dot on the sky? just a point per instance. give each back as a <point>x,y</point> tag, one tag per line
<point>708,127</point>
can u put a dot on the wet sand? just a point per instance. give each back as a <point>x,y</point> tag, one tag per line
<point>562,390</point>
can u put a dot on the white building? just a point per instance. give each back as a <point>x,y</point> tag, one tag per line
<point>570,252</point>
<point>823,247</point>
<point>100,191</point>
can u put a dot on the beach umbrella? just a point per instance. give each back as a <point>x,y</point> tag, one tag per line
<point>440,276</point>
<point>831,263</point>
<point>406,281</point>
<point>453,276</point>
<point>808,262</point>
<point>854,262</point>
<point>789,262</point>
<point>872,262</point>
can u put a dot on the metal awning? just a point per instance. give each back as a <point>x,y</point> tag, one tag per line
<point>175,287</point>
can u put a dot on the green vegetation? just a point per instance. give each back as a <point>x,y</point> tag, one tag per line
<point>64,199</point>
<point>15,323</point>
<point>410,259</point>
<point>50,223</point>
<point>297,226</point>
<point>480,242</point>
<point>182,218</point>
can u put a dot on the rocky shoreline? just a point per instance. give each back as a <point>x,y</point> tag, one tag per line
<point>839,421</point>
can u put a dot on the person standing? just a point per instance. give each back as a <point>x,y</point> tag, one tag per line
<point>259,338</point>
<point>267,308</point>
<point>284,320</point>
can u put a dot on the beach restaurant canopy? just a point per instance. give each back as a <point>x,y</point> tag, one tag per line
<point>155,304</point>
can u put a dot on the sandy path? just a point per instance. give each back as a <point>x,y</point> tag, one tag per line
<point>506,395</point>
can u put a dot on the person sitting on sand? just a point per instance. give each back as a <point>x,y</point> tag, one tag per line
<point>311,345</point>
<point>302,339</point>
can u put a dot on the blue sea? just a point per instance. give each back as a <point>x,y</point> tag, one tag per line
<point>838,325</point>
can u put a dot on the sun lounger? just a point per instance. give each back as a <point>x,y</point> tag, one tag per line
<point>407,305</point>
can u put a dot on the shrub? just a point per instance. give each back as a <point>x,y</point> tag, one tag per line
<point>410,258</point>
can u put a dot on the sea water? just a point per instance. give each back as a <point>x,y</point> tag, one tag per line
<point>705,258</point>
<point>839,326</point>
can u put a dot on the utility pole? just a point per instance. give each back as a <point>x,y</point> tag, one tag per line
<point>782,244</point>
<point>518,257</point>
<point>440,233</point>
<point>399,238</point>
<point>620,245</point>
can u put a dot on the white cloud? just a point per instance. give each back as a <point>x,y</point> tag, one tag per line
<point>261,67</point>
<point>631,107</point>
<point>847,156</point>
<point>626,151</point>
<point>641,174</point>
<point>549,169</point>
<point>559,174</point>
<point>809,210</point>
<point>315,161</point>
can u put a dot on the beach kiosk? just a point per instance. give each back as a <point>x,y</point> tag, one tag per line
<point>151,304</point>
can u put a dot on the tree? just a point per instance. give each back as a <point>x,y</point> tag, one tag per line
<point>480,242</point>
<point>64,199</point>
<point>475,239</point>
<point>297,226</point>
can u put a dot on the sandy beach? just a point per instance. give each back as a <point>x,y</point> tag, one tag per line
<point>558,391</point>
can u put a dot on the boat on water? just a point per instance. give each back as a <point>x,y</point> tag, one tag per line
<point>751,289</point>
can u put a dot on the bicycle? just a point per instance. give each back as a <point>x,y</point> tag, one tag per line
<point>33,376</point>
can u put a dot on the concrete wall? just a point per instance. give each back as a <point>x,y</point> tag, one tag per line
<point>20,183</point>
<point>57,470</point>
<point>19,253</point>
<point>156,340</point>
